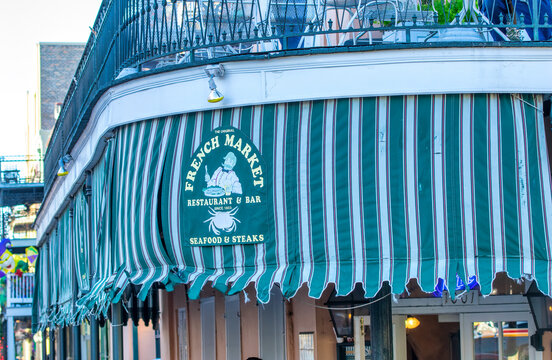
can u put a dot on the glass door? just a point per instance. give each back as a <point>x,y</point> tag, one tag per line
<point>497,336</point>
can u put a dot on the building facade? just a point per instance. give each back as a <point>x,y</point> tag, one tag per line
<point>299,180</point>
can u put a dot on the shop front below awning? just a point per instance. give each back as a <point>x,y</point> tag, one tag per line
<point>341,192</point>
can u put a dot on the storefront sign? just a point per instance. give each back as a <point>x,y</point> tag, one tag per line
<point>225,192</point>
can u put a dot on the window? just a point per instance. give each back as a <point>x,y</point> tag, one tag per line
<point>306,346</point>
<point>182,334</point>
<point>272,327</point>
<point>233,331</point>
<point>208,333</point>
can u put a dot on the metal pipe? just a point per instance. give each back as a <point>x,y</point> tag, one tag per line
<point>52,333</point>
<point>43,349</point>
<point>117,331</point>
<point>62,341</point>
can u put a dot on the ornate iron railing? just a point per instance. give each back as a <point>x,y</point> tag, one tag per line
<point>132,36</point>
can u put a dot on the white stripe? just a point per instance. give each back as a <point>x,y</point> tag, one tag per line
<point>546,185</point>
<point>522,187</point>
<point>495,183</point>
<point>411,187</point>
<point>385,241</point>
<point>329,214</point>
<point>174,198</point>
<point>261,248</point>
<point>439,191</point>
<point>467,184</point>
<point>356,190</point>
<point>279,199</point>
<point>304,218</point>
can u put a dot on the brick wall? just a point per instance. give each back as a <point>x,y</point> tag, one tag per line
<point>58,63</point>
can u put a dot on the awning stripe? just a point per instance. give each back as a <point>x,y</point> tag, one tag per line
<point>482,188</point>
<point>383,190</point>
<point>524,188</point>
<point>395,192</point>
<point>341,197</point>
<point>466,166</point>
<point>496,186</point>
<point>439,194</point>
<point>411,187</point>
<point>424,190</point>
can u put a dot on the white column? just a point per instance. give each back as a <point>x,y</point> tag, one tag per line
<point>359,322</point>
<point>11,339</point>
<point>399,337</point>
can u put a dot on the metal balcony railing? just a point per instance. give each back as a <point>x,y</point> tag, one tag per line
<point>141,35</point>
<point>21,170</point>
<point>19,289</point>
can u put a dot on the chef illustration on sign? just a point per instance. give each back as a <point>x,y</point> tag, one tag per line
<point>224,180</point>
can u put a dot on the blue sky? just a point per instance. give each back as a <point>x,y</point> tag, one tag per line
<point>23,24</point>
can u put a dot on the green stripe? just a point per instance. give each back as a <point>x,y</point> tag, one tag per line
<point>292,274</point>
<point>165,191</point>
<point>482,190</point>
<point>509,186</point>
<point>316,192</point>
<point>188,144</point>
<point>540,253</point>
<point>453,210</point>
<point>396,128</point>
<point>369,200</point>
<point>424,156</point>
<point>227,116</point>
<point>267,150</point>
<point>341,170</point>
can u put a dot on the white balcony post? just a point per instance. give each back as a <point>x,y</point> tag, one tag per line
<point>9,290</point>
<point>11,338</point>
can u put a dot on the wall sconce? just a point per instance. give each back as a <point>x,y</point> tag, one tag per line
<point>62,165</point>
<point>213,71</point>
<point>411,322</point>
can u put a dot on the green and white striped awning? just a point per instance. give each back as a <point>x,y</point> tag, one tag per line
<point>379,189</point>
<point>361,190</point>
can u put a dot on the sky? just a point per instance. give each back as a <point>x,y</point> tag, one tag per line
<point>23,24</point>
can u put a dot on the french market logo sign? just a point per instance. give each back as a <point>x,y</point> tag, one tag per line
<point>225,201</point>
